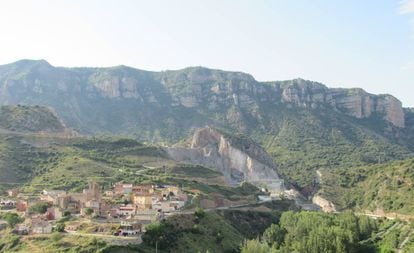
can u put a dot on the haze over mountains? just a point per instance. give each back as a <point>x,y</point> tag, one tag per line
<point>298,122</point>
<point>199,91</point>
<point>221,135</point>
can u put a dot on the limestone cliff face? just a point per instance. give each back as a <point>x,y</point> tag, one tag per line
<point>353,102</point>
<point>211,148</point>
<point>217,89</point>
<point>122,99</point>
<point>360,104</point>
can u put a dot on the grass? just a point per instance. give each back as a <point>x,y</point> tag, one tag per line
<point>53,243</point>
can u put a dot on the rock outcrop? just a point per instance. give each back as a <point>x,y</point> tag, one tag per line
<point>324,204</point>
<point>237,161</point>
<point>353,102</point>
<point>122,99</point>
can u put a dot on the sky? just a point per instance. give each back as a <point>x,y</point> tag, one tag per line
<point>341,43</point>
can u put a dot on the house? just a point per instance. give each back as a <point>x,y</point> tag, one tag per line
<point>53,192</point>
<point>130,227</point>
<point>143,189</point>
<point>53,213</point>
<point>93,192</point>
<point>13,192</point>
<point>109,193</point>
<point>169,206</point>
<point>148,215</point>
<point>51,196</point>
<point>94,205</point>
<point>123,188</point>
<point>69,203</point>
<point>21,206</point>
<point>142,201</point>
<point>7,204</point>
<point>42,227</point>
<point>164,206</point>
<point>126,210</point>
<point>72,227</point>
<point>21,229</point>
<point>112,212</point>
<point>170,190</point>
<point>74,202</point>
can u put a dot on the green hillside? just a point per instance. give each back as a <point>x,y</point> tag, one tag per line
<point>320,139</point>
<point>29,119</point>
<point>314,232</point>
<point>303,124</point>
<point>36,162</point>
<point>387,186</point>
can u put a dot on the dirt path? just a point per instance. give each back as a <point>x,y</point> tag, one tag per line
<point>116,240</point>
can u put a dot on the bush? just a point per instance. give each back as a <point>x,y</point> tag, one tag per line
<point>88,211</point>
<point>39,208</point>
<point>199,213</point>
<point>12,219</point>
<point>60,227</point>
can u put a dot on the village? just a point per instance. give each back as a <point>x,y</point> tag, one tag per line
<point>123,211</point>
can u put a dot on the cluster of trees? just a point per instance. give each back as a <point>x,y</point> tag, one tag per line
<point>39,208</point>
<point>313,232</point>
<point>11,218</point>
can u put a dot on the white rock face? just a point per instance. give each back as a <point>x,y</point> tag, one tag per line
<point>392,108</point>
<point>353,102</point>
<point>326,205</point>
<point>210,148</point>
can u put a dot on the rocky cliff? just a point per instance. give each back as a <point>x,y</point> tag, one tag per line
<point>353,102</point>
<point>237,160</point>
<point>303,125</point>
<point>82,96</point>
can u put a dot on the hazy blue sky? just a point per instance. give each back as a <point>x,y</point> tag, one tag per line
<point>346,43</point>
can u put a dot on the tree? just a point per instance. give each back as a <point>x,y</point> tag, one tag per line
<point>199,212</point>
<point>12,219</point>
<point>256,246</point>
<point>60,227</point>
<point>88,211</point>
<point>274,235</point>
<point>40,208</point>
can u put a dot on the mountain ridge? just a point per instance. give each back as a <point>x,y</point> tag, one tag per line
<point>303,125</point>
<point>124,82</point>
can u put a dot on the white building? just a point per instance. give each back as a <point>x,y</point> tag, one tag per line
<point>42,227</point>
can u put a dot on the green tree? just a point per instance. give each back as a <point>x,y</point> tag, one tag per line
<point>40,208</point>
<point>199,212</point>
<point>88,211</point>
<point>60,227</point>
<point>12,219</point>
<point>256,246</point>
<point>274,235</point>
